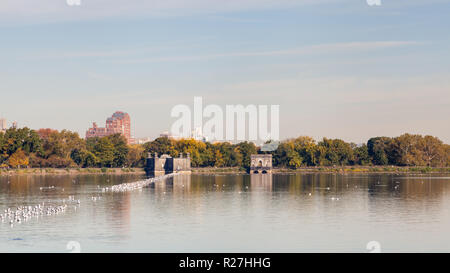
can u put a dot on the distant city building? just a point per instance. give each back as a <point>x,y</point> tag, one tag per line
<point>2,125</point>
<point>197,134</point>
<point>142,140</point>
<point>119,123</point>
<point>168,135</point>
<point>270,146</point>
<point>14,124</point>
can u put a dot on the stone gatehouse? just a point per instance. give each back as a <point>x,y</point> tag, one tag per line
<point>261,163</point>
<point>166,164</point>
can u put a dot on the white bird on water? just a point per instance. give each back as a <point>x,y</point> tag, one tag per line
<point>136,185</point>
<point>24,213</point>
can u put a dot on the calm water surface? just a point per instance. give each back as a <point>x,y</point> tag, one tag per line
<point>233,213</point>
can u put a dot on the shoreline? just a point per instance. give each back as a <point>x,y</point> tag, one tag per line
<point>72,171</point>
<point>328,170</point>
<point>231,170</point>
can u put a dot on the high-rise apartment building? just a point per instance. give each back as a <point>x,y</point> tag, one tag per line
<point>2,125</point>
<point>118,123</point>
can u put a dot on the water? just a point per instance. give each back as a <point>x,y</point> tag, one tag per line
<point>233,213</point>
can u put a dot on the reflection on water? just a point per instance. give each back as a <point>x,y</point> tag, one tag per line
<point>233,213</point>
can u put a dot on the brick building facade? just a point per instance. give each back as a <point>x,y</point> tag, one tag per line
<point>118,123</point>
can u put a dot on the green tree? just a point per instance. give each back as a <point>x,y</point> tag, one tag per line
<point>337,151</point>
<point>246,149</point>
<point>361,155</point>
<point>284,153</point>
<point>161,145</point>
<point>119,143</point>
<point>295,160</point>
<point>90,160</point>
<point>231,156</point>
<point>23,138</point>
<point>379,148</point>
<point>104,151</point>
<point>3,154</point>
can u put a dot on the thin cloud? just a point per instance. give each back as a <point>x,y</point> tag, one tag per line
<point>33,11</point>
<point>50,55</point>
<point>314,49</point>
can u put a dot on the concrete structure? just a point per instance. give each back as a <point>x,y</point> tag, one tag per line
<point>142,140</point>
<point>169,135</point>
<point>3,125</point>
<point>261,163</point>
<point>167,164</point>
<point>197,134</point>
<point>118,123</point>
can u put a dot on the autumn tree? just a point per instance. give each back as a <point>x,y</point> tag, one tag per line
<point>136,156</point>
<point>3,154</point>
<point>61,149</point>
<point>405,151</point>
<point>194,148</point>
<point>446,158</point>
<point>18,159</point>
<point>433,151</point>
<point>218,159</point>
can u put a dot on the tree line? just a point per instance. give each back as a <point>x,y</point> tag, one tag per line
<point>405,150</point>
<point>47,148</point>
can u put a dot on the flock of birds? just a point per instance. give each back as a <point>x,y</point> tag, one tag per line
<point>22,214</point>
<point>124,187</point>
<point>25,213</point>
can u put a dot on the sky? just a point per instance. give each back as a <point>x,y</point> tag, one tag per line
<point>337,68</point>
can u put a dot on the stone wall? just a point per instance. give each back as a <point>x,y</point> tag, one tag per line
<point>261,163</point>
<point>167,164</point>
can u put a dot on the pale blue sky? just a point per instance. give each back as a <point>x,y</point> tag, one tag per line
<point>337,68</point>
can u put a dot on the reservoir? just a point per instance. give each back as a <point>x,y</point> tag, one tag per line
<point>231,213</point>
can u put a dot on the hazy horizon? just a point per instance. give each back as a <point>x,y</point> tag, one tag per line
<point>337,68</point>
